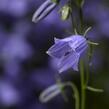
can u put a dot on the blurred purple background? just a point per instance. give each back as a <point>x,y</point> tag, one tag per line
<point>26,70</point>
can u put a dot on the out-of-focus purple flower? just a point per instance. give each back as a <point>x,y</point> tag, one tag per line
<point>16,8</point>
<point>16,48</point>
<point>67,51</point>
<point>9,96</point>
<point>39,76</point>
<point>44,10</point>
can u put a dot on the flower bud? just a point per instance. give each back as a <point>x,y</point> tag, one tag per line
<point>65,12</point>
<point>44,10</point>
<point>50,93</point>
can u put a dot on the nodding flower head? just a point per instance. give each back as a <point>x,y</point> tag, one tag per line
<point>68,51</point>
<point>44,10</point>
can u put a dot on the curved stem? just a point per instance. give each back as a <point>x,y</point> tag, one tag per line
<point>76,94</point>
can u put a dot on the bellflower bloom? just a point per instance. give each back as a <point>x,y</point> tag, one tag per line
<point>67,51</point>
<point>44,10</point>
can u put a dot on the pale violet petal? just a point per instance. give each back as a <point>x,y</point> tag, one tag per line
<point>68,61</point>
<point>78,43</point>
<point>58,50</point>
<point>75,66</point>
<point>82,48</point>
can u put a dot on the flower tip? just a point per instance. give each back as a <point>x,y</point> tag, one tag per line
<point>76,70</point>
<point>47,52</point>
<point>60,70</point>
<point>56,40</point>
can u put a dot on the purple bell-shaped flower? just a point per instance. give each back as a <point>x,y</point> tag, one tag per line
<point>68,51</point>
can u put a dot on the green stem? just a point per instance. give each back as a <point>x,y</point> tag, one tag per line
<point>83,86</point>
<point>82,72</point>
<point>87,73</point>
<point>81,20</point>
<point>73,19</point>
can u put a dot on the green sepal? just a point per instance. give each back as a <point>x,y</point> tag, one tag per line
<point>94,89</point>
<point>93,43</point>
<point>87,30</point>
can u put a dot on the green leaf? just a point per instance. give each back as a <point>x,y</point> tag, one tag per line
<point>94,89</point>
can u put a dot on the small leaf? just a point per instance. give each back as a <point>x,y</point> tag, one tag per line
<point>94,89</point>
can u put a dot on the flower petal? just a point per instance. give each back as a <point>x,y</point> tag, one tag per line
<point>59,49</point>
<point>56,40</point>
<point>75,66</point>
<point>78,43</point>
<point>68,61</point>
